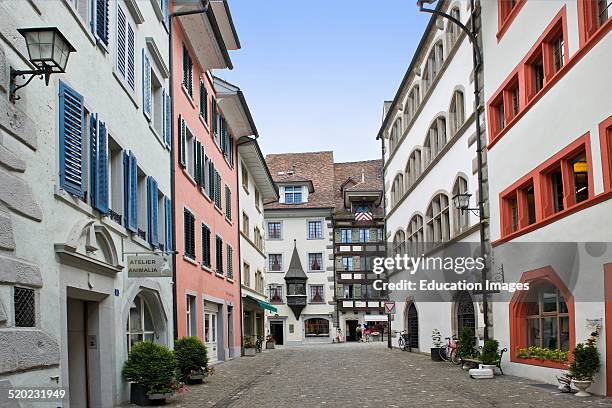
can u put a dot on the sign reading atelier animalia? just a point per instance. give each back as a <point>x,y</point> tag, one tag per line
<point>149,266</point>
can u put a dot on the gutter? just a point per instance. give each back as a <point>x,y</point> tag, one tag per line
<point>215,27</point>
<point>239,280</point>
<point>412,65</point>
<point>247,140</point>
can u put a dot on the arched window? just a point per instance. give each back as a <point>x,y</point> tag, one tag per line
<point>461,218</point>
<point>451,28</point>
<point>433,64</point>
<point>415,236</point>
<point>413,102</point>
<point>140,324</point>
<point>399,243</point>
<point>397,190</point>
<point>456,112</point>
<point>316,327</point>
<point>438,225</point>
<point>396,132</point>
<point>435,139</point>
<point>413,167</point>
<point>547,318</point>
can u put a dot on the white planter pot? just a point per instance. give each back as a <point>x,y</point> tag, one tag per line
<point>582,387</point>
<point>487,366</point>
<point>481,373</point>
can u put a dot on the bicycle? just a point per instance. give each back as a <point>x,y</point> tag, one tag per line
<point>258,344</point>
<point>451,351</point>
<point>404,340</point>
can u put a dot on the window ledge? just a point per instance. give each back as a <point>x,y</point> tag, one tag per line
<point>231,280</point>
<point>207,268</point>
<point>219,275</point>
<point>540,363</point>
<point>118,228</point>
<point>189,97</point>
<point>509,19</point>
<point>229,221</point>
<point>129,91</point>
<point>204,123</point>
<point>157,135</point>
<point>205,195</point>
<point>188,176</point>
<point>141,242</point>
<point>246,189</point>
<point>84,27</point>
<point>190,260</point>
<point>555,217</point>
<point>220,211</point>
<point>74,202</point>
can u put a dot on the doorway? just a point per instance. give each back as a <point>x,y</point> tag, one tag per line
<point>351,330</point>
<point>230,331</point>
<point>412,326</point>
<point>276,329</point>
<point>210,335</point>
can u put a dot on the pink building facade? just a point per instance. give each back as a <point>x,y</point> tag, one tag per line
<point>205,184</point>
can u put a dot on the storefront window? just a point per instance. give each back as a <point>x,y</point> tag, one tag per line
<point>317,327</point>
<point>140,323</point>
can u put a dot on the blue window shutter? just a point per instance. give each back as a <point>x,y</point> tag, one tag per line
<point>182,141</point>
<point>146,85</point>
<point>98,163</point>
<point>165,13</point>
<point>93,159</point>
<point>126,189</point>
<point>131,188</point>
<point>152,215</point>
<point>100,20</point>
<point>71,128</point>
<point>168,225</point>
<point>168,123</point>
<point>121,40</point>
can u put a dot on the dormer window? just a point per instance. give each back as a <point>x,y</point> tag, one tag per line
<point>293,194</point>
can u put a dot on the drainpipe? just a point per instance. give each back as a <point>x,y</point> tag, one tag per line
<point>382,153</point>
<point>239,280</point>
<point>172,159</point>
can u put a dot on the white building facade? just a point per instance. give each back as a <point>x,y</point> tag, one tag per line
<point>549,152</point>
<point>85,187</point>
<point>256,187</point>
<point>429,149</point>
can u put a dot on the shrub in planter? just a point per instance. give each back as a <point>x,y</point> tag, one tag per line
<point>585,362</point>
<point>191,358</point>
<point>270,342</point>
<point>436,339</point>
<point>490,352</point>
<point>542,354</point>
<point>249,346</point>
<point>151,367</point>
<point>467,343</point>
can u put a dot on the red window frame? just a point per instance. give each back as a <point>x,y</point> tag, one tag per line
<point>588,22</point>
<point>605,143</point>
<point>506,15</point>
<point>543,193</point>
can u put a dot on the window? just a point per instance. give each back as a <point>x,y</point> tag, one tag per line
<point>257,199</point>
<point>315,229</point>
<point>274,230</point>
<point>217,188</point>
<point>435,140</point>
<point>275,293</point>
<point>205,246</point>
<point>456,112</point>
<point>506,7</point>
<point>414,100</point>
<point>556,183</point>
<point>346,235</point>
<point>433,64</point>
<point>451,27</point>
<point>514,100</point>
<point>258,239</point>
<point>259,281</point>
<point>461,218</point>
<point>191,325</point>
<point>230,261</point>
<point>347,263</point>
<point>580,172</point>
<point>413,167</point>
<point>141,198</point>
<point>537,73</point>
<point>438,230</point>
<point>246,274</point>
<point>140,323</point>
<point>416,239</point>
<point>203,102</point>
<point>364,235</point>
<point>228,203</point>
<point>189,233</point>
<point>155,99</point>
<point>315,262</point>
<point>219,255</point>
<point>546,318</point>
<point>316,294</point>
<point>24,303</point>
<point>245,177</point>
<point>558,52</point>
<point>187,71</point>
<point>399,243</point>
<point>115,168</point>
<point>396,133</point>
<point>520,207</point>
<point>593,15</point>
<point>126,48</point>
<point>245,224</point>
<point>605,141</point>
<point>275,262</point>
<point>316,327</point>
<point>397,189</point>
<point>293,194</point>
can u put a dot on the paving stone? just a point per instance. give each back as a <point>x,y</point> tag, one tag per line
<point>361,375</point>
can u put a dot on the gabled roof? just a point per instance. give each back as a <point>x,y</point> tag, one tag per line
<point>354,178</point>
<point>295,271</point>
<point>235,109</point>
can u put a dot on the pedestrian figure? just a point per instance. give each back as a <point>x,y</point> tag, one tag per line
<point>359,332</point>
<point>366,332</point>
<point>339,335</point>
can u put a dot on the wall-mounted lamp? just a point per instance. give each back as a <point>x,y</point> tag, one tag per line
<point>48,50</point>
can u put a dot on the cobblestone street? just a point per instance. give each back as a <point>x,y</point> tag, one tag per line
<point>362,375</point>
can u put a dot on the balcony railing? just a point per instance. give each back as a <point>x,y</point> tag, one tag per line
<point>296,300</point>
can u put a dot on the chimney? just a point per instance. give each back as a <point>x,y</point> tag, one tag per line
<point>362,175</point>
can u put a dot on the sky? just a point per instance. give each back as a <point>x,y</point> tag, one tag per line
<point>315,73</point>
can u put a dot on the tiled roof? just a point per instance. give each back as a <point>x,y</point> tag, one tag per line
<point>371,173</point>
<point>317,167</point>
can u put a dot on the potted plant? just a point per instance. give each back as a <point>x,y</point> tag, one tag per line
<point>192,359</point>
<point>436,339</point>
<point>249,346</point>
<point>270,343</point>
<point>151,370</point>
<point>584,365</point>
<point>467,344</point>
<point>489,356</point>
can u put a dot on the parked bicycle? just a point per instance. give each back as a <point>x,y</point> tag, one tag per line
<point>404,340</point>
<point>258,344</point>
<point>451,351</point>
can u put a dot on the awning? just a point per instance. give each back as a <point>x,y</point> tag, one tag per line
<point>263,304</point>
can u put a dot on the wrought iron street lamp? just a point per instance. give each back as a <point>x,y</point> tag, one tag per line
<point>48,51</point>
<point>477,62</point>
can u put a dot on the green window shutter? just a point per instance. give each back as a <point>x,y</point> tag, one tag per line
<point>339,291</point>
<point>230,263</point>
<point>357,291</point>
<point>228,203</point>
<point>373,235</point>
<point>337,236</point>
<point>355,233</point>
<point>182,140</point>
<point>357,263</point>
<point>339,264</point>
